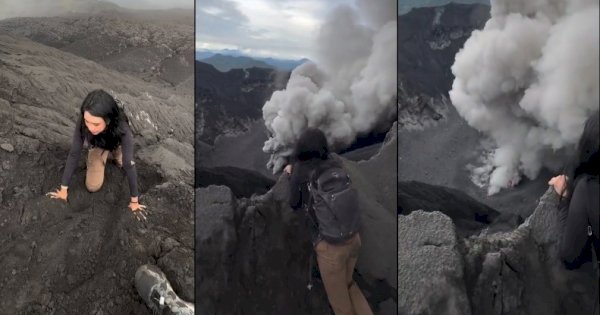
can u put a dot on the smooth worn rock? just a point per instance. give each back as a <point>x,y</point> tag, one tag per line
<point>7,147</point>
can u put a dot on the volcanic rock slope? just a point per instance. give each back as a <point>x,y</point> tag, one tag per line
<point>262,252</point>
<point>229,122</point>
<point>154,45</point>
<point>80,257</point>
<point>437,146</point>
<point>228,102</point>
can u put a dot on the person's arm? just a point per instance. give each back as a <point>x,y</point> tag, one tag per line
<point>296,183</point>
<point>129,164</point>
<point>574,228</point>
<point>73,157</point>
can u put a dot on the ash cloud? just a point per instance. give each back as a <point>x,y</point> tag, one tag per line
<point>352,89</point>
<point>529,80</point>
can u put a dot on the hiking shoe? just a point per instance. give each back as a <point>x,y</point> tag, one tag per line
<point>154,288</point>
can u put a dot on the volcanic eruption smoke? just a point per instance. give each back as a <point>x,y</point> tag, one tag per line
<point>350,92</point>
<point>529,80</point>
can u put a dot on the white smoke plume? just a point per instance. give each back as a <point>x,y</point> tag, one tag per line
<point>352,89</point>
<point>529,80</point>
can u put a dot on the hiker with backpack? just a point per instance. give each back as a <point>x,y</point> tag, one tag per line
<point>104,129</point>
<point>320,185</point>
<point>580,191</point>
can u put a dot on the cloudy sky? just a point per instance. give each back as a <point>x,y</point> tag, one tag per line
<point>267,28</point>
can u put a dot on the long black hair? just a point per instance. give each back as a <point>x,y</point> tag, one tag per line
<point>312,145</point>
<point>586,161</point>
<point>101,104</point>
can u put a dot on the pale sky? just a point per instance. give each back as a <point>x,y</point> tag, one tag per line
<point>20,8</point>
<point>155,4</point>
<point>267,28</point>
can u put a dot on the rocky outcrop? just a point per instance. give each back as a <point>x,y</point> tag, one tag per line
<point>80,257</point>
<point>430,269</point>
<point>516,272</point>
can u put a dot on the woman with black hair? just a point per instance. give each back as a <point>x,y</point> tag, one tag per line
<point>336,261</point>
<point>579,193</point>
<point>104,128</point>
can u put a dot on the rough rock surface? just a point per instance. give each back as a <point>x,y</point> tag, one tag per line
<point>516,272</point>
<point>261,248</point>
<point>430,269</point>
<point>80,257</point>
<point>153,45</point>
<point>228,102</point>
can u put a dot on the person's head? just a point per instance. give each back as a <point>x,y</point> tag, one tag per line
<point>101,118</point>
<point>312,145</point>
<point>586,160</point>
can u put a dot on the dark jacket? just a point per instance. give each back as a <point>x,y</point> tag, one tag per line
<point>126,147</point>
<point>583,211</point>
<point>299,194</point>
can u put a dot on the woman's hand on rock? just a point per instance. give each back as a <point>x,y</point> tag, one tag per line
<point>288,169</point>
<point>61,193</point>
<point>139,211</point>
<point>560,184</point>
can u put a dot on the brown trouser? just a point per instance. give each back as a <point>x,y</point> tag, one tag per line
<point>96,162</point>
<point>336,264</point>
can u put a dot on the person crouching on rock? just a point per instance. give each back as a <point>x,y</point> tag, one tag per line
<point>321,186</point>
<point>102,127</point>
<point>579,192</point>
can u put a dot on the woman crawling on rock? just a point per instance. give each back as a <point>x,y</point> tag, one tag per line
<point>103,128</point>
<point>580,192</point>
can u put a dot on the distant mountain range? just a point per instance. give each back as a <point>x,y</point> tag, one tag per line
<point>227,59</point>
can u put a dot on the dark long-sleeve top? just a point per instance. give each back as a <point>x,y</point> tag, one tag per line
<point>298,184</point>
<point>583,211</point>
<point>299,195</point>
<point>126,147</point>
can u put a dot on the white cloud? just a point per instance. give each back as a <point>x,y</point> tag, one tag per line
<point>284,29</point>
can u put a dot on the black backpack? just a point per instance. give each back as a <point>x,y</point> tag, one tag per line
<point>335,204</point>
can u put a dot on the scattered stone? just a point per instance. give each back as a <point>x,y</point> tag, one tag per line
<point>7,147</point>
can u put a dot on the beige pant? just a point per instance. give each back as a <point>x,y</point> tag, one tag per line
<point>336,264</point>
<point>96,162</point>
